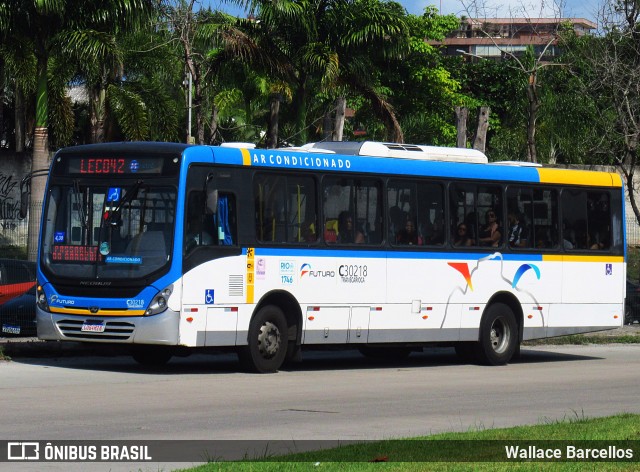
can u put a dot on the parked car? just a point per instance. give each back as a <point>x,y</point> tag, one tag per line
<point>17,297</point>
<point>632,303</point>
<point>16,277</point>
<point>18,315</point>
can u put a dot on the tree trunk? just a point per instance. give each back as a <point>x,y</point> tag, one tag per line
<point>341,106</point>
<point>462,113</point>
<point>534,105</point>
<point>300,105</point>
<point>19,119</point>
<point>213,128</point>
<point>274,115</point>
<point>327,125</point>
<point>480,139</point>
<point>40,160</point>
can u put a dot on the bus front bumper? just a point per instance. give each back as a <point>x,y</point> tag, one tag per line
<point>157,329</point>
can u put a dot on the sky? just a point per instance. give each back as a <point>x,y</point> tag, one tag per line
<point>494,8</point>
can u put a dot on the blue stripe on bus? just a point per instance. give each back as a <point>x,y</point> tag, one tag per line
<point>342,163</point>
<point>385,254</point>
<point>337,162</point>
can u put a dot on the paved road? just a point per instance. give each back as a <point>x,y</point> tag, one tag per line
<point>331,395</point>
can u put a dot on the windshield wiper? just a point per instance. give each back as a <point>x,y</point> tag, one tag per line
<point>114,214</point>
<point>113,218</point>
<point>80,204</point>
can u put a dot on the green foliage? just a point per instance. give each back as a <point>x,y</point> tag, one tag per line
<point>61,117</point>
<point>132,112</point>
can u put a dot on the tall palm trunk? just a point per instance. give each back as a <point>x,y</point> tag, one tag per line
<point>97,98</point>
<point>274,113</point>
<point>341,107</point>
<point>39,162</point>
<point>19,119</point>
<point>300,106</point>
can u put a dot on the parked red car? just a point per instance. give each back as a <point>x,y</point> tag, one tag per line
<point>17,297</point>
<point>16,277</point>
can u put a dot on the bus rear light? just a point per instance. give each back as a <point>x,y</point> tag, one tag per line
<point>191,310</point>
<point>474,308</point>
<point>313,308</point>
<point>378,308</point>
<point>615,317</point>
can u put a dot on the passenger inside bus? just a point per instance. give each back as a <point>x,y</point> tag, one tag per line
<point>433,234</point>
<point>490,234</point>
<point>408,235</point>
<point>461,238</point>
<point>517,230</point>
<point>346,232</point>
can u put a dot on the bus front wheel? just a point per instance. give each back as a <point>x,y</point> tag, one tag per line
<point>498,335</point>
<point>151,355</point>
<point>267,341</point>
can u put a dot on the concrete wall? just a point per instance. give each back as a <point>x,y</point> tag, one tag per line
<point>13,167</point>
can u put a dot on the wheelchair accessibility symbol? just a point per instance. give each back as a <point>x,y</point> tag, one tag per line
<point>113,195</point>
<point>208,296</point>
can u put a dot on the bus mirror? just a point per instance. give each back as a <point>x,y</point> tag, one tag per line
<point>24,205</point>
<point>212,202</point>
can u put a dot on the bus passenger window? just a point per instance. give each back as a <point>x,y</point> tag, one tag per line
<point>285,208</point>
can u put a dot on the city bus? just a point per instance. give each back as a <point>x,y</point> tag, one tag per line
<point>386,248</point>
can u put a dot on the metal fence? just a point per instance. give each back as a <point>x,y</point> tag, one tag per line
<point>633,231</point>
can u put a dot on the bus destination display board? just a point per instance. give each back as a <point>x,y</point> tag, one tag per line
<point>114,165</point>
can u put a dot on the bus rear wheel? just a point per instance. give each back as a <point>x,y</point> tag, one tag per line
<point>267,341</point>
<point>498,335</point>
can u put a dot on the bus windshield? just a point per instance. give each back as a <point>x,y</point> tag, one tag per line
<point>97,231</point>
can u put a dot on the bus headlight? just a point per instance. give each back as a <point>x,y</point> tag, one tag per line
<point>41,298</point>
<point>159,302</point>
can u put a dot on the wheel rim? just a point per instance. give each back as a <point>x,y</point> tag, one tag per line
<point>499,335</point>
<point>269,340</point>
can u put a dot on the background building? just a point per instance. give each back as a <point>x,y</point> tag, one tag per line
<point>491,38</point>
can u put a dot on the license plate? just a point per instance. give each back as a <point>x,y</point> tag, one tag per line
<point>93,327</point>
<point>10,329</point>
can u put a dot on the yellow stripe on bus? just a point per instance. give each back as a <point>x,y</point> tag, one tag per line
<point>579,177</point>
<point>246,157</point>
<point>570,258</point>
<point>84,311</point>
<point>250,273</point>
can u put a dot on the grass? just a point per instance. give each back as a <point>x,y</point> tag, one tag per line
<point>477,449</point>
<point>583,339</point>
<point>3,356</point>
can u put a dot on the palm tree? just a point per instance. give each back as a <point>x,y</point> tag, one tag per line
<point>325,43</point>
<point>56,26</point>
